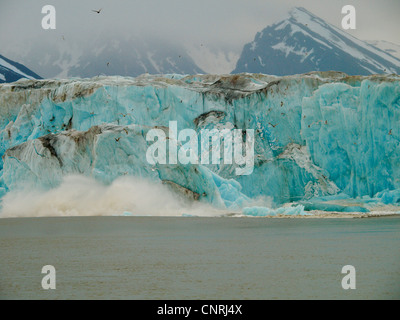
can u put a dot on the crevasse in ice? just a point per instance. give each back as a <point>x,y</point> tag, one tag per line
<point>316,135</point>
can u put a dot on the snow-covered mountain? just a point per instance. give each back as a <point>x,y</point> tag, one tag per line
<point>11,71</point>
<point>304,42</point>
<point>106,56</point>
<point>389,47</point>
<point>298,44</point>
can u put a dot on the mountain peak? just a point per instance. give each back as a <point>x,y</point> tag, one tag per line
<point>304,42</point>
<point>303,16</point>
<point>11,71</point>
<point>299,11</point>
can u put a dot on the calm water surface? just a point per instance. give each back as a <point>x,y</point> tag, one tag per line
<point>199,258</point>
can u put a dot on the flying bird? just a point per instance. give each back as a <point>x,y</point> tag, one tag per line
<point>97,11</point>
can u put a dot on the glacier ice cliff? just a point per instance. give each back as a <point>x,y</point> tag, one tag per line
<point>317,135</point>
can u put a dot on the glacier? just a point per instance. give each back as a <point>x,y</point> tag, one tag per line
<point>323,140</point>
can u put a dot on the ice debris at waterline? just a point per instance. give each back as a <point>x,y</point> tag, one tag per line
<point>264,212</point>
<point>323,141</point>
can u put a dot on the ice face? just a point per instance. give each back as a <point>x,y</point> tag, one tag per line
<point>357,139</point>
<point>316,135</point>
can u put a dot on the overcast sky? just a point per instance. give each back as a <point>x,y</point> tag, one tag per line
<point>224,23</point>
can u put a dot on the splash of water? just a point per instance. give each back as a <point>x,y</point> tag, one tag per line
<point>82,196</point>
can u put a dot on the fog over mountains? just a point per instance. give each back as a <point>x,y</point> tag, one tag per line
<point>300,43</point>
<point>109,56</point>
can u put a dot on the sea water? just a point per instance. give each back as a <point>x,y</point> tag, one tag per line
<point>199,258</point>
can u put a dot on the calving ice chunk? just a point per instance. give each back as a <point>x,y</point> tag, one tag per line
<point>189,151</point>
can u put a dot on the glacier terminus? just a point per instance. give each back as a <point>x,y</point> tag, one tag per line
<point>323,141</point>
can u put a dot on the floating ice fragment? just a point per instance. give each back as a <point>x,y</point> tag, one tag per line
<point>265,212</point>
